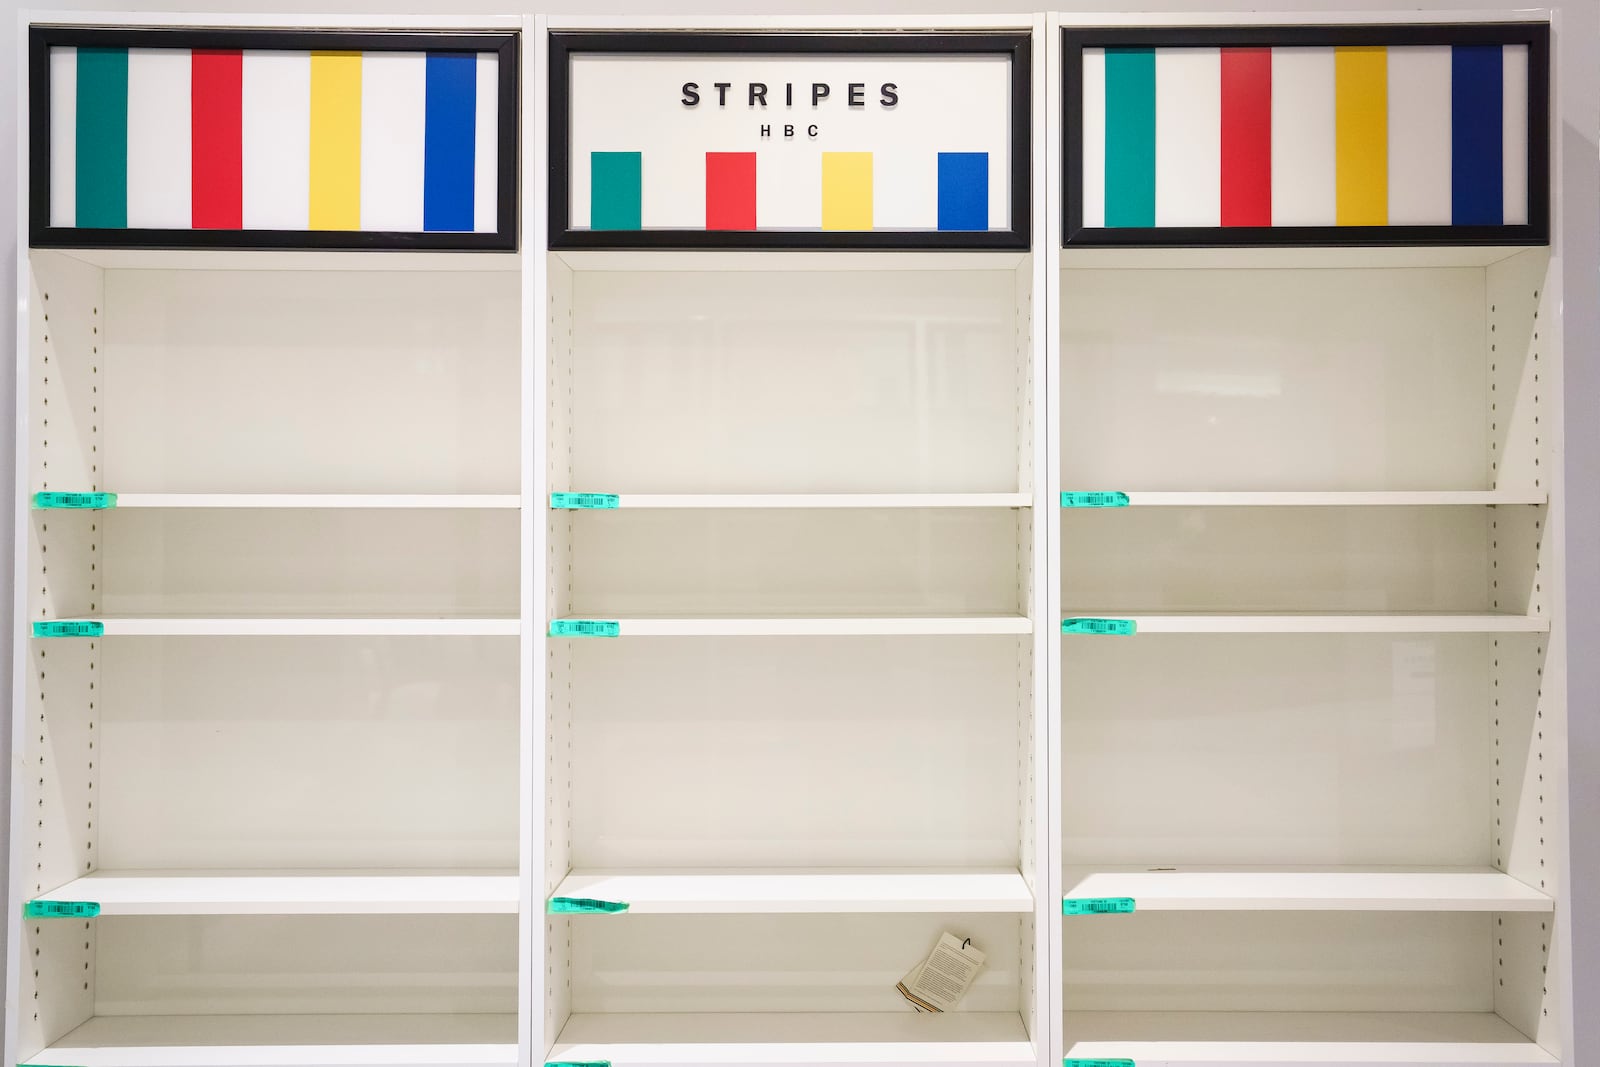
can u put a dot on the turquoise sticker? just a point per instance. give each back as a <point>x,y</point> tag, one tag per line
<point>60,909</point>
<point>69,628</point>
<point>585,628</point>
<point>1096,1063</point>
<point>583,905</point>
<point>588,501</point>
<point>90,501</point>
<point>1094,500</point>
<point>577,1063</point>
<point>1097,906</point>
<point>1099,626</point>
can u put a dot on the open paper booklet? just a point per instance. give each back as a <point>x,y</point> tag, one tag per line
<point>939,982</point>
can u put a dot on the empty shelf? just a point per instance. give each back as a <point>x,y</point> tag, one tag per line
<point>824,500</point>
<point>809,625</point>
<point>804,891</point>
<point>1326,623</point>
<point>416,1040</point>
<point>1308,889</point>
<point>293,893</point>
<point>797,1039</point>
<point>275,626</point>
<point>1419,498</point>
<point>1391,1039</point>
<point>393,501</point>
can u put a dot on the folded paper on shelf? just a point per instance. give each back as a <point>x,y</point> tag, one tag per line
<point>939,982</point>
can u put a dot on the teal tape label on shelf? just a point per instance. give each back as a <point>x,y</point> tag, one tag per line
<point>583,906</point>
<point>1094,500</point>
<point>60,909</point>
<point>69,628</point>
<point>585,628</point>
<point>1123,627</point>
<point>1096,1063</point>
<point>1097,906</point>
<point>585,501</point>
<point>577,1063</point>
<point>90,501</point>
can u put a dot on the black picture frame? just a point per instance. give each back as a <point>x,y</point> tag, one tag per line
<point>1016,45</point>
<point>1536,35</point>
<point>42,38</point>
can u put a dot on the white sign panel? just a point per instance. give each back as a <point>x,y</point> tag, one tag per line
<point>859,141</point>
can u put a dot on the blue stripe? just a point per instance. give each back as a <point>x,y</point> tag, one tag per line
<point>1476,135</point>
<point>963,190</point>
<point>448,143</point>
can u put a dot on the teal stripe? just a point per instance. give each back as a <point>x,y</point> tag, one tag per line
<point>103,137</point>
<point>1130,137</point>
<point>615,190</point>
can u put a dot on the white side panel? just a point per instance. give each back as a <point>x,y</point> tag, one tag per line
<point>1419,136</point>
<point>394,106</point>
<point>63,136</point>
<point>1188,137</point>
<point>1303,144</point>
<point>275,117</point>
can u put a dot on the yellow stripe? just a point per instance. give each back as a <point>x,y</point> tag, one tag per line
<point>1361,79</point>
<point>336,140</point>
<point>847,190</point>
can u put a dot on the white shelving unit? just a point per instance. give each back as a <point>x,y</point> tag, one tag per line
<point>288,770</point>
<point>812,486</point>
<point>1310,797</point>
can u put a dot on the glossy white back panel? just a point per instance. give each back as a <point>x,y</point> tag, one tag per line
<point>794,752</point>
<point>1276,749</point>
<point>893,381</point>
<point>1257,379</point>
<point>379,381</point>
<point>306,964</point>
<point>788,963</point>
<point>308,752</point>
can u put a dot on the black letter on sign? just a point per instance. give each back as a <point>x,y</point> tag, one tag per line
<point>812,130</point>
<point>788,131</point>
<point>691,93</point>
<point>890,96</point>
<point>766,131</point>
<point>758,91</point>
<point>722,93</point>
<point>857,94</point>
<point>818,92</point>
<point>788,94</point>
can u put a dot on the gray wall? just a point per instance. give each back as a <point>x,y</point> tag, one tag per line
<point>1577,178</point>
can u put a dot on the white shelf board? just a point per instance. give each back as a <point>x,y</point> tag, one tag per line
<point>1282,258</point>
<point>275,626</point>
<point>814,625</point>
<point>415,1040</point>
<point>1282,1038</point>
<point>1326,623</point>
<point>1309,889</point>
<point>1401,498</point>
<point>397,501</point>
<point>824,500</point>
<point>801,891</point>
<point>680,261</point>
<point>213,259</point>
<point>798,1039</point>
<point>294,893</point>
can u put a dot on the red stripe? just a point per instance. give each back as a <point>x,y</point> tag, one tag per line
<point>1247,137</point>
<point>730,190</point>
<point>217,152</point>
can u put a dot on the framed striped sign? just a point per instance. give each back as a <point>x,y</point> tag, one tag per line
<point>185,138</point>
<point>770,140</point>
<point>1307,135</point>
